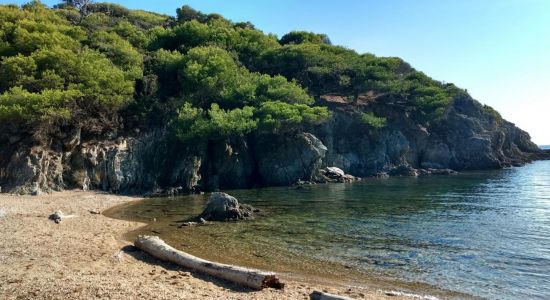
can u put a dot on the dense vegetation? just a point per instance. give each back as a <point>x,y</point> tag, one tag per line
<point>100,66</point>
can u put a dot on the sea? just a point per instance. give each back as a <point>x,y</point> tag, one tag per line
<point>476,234</point>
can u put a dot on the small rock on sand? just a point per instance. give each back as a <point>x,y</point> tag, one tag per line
<point>56,216</point>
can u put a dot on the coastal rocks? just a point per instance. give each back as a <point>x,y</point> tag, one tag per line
<point>406,170</point>
<point>403,170</point>
<point>476,137</point>
<point>542,155</point>
<point>223,207</point>
<point>185,175</point>
<point>230,164</point>
<point>34,172</point>
<point>284,160</point>
<point>467,136</point>
<point>334,174</point>
<point>438,172</point>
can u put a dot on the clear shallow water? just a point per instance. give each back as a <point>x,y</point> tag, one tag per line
<point>485,234</point>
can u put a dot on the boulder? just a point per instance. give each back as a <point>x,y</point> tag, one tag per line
<point>334,174</point>
<point>224,207</point>
<point>403,170</point>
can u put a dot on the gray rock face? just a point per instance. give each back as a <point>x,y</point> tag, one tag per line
<point>35,171</point>
<point>284,160</point>
<point>223,207</point>
<point>468,136</point>
<point>125,165</point>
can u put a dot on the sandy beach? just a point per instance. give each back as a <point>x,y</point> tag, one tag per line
<point>87,257</point>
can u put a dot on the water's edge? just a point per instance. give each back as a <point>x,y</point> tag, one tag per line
<point>481,233</point>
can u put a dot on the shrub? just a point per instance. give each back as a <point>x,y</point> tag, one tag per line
<point>373,121</point>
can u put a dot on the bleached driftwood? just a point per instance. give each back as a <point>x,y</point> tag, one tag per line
<point>316,295</point>
<point>248,277</point>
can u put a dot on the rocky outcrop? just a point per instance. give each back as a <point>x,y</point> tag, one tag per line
<point>224,207</point>
<point>468,136</point>
<point>286,159</point>
<point>124,165</point>
<point>334,174</point>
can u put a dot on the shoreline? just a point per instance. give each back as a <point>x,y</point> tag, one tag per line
<point>87,256</point>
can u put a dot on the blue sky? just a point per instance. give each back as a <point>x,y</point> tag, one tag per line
<point>498,50</point>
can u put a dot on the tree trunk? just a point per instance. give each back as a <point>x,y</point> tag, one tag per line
<point>248,277</point>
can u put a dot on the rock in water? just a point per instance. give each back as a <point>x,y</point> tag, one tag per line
<point>224,207</point>
<point>334,174</point>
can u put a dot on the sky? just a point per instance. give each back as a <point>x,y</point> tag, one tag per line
<point>499,50</point>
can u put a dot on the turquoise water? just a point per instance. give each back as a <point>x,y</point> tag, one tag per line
<point>485,234</point>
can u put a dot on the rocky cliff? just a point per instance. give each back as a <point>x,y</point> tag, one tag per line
<point>468,136</point>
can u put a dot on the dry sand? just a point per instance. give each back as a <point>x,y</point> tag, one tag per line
<point>86,257</point>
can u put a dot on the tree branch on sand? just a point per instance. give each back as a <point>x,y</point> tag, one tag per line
<point>251,278</point>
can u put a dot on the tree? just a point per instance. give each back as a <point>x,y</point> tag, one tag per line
<point>214,123</point>
<point>187,13</point>
<point>367,75</point>
<point>299,37</point>
<point>209,74</point>
<point>277,116</point>
<point>81,5</point>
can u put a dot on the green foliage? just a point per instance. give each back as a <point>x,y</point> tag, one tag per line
<point>138,38</point>
<point>373,121</point>
<point>195,123</point>
<point>48,72</point>
<point>278,88</point>
<point>120,52</point>
<point>300,37</point>
<point>109,9</point>
<point>19,105</point>
<point>216,123</point>
<point>147,20</point>
<point>277,115</point>
<point>493,113</point>
<point>321,68</point>
<point>227,99</point>
<point>187,13</point>
<point>247,43</point>
<point>211,74</point>
<point>207,76</point>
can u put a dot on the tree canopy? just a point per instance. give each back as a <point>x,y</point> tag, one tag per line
<point>201,74</point>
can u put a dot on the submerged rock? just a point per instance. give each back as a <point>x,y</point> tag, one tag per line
<point>403,170</point>
<point>224,207</point>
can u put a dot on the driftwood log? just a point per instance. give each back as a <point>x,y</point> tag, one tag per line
<point>248,277</point>
<point>316,295</point>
